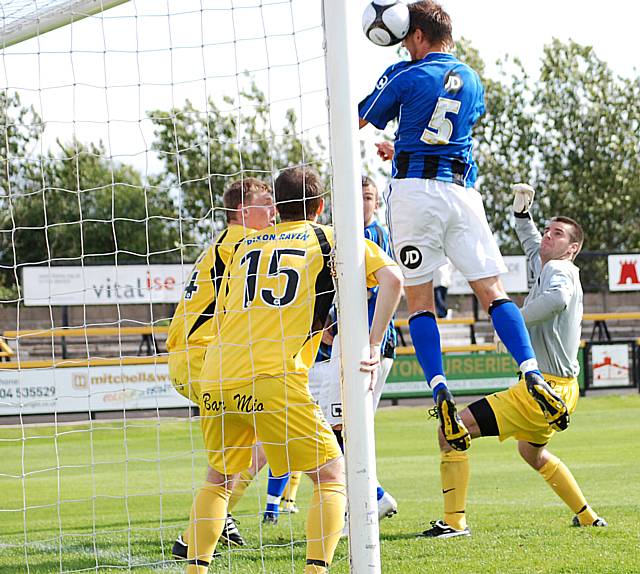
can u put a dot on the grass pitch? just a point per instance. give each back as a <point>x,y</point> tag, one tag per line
<point>112,496</point>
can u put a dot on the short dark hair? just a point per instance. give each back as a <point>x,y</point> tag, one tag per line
<point>433,20</point>
<point>576,235</point>
<point>239,193</point>
<point>298,193</point>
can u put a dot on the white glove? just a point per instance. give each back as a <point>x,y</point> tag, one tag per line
<point>522,197</point>
<point>500,348</point>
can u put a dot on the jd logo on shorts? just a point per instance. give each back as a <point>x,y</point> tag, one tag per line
<point>410,257</point>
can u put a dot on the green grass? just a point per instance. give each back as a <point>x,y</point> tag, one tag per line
<point>92,494</point>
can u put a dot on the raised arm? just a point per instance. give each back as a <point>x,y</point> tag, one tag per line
<point>527,233</point>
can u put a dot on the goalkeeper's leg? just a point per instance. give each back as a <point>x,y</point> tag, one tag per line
<point>454,477</point>
<point>560,479</point>
<point>290,493</point>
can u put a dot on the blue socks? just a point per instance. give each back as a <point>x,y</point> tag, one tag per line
<point>509,324</point>
<point>426,340</point>
<point>379,492</point>
<point>275,488</point>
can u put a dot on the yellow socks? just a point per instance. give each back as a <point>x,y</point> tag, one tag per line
<point>325,522</point>
<point>208,516</point>
<point>291,490</point>
<point>454,475</point>
<point>242,483</point>
<point>560,479</point>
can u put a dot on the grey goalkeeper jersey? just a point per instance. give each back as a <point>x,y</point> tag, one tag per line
<point>553,308</point>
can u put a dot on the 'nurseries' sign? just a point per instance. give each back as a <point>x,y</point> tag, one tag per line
<point>103,284</point>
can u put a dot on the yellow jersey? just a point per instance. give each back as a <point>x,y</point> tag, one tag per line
<point>273,303</point>
<point>191,321</point>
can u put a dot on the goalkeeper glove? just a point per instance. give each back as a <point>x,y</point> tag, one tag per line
<point>522,198</point>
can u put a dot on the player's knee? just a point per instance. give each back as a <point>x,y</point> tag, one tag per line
<point>331,471</point>
<point>532,454</point>
<point>442,442</point>
<point>488,291</point>
<point>497,303</point>
<point>219,479</point>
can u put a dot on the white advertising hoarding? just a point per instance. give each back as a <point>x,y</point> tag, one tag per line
<point>624,272</point>
<point>103,284</point>
<point>514,281</point>
<point>611,365</point>
<point>84,389</point>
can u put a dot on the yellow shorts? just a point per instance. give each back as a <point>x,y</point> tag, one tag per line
<point>282,416</point>
<point>520,417</point>
<point>184,371</point>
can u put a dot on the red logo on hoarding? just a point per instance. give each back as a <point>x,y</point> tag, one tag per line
<point>608,369</point>
<point>629,273</point>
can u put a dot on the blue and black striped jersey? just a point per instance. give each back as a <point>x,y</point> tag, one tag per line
<point>437,101</point>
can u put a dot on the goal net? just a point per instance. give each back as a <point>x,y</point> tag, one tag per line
<point>121,124</point>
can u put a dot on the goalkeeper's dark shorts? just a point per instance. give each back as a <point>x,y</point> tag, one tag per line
<point>514,414</point>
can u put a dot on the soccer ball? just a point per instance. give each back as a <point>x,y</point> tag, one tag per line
<point>386,22</point>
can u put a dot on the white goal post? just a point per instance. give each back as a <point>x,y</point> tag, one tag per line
<point>21,20</point>
<point>341,24</point>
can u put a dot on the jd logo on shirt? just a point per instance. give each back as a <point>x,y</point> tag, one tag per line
<point>453,82</point>
<point>410,257</point>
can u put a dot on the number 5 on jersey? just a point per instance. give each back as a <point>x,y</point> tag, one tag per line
<point>292,276</point>
<point>439,123</point>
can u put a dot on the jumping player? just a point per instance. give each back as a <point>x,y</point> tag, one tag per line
<point>433,211</point>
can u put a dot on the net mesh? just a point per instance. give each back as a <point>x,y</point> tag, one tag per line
<point>118,134</point>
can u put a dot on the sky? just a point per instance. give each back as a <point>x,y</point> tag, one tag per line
<point>98,78</point>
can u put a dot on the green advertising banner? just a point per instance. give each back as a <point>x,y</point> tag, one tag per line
<point>467,374</point>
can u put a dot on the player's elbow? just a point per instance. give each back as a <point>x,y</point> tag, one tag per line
<point>390,280</point>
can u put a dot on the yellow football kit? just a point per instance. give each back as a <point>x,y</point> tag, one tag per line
<point>191,321</point>
<point>275,297</point>
<point>520,417</point>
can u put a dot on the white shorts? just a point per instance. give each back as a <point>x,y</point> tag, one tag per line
<point>430,220</point>
<point>330,398</point>
<point>318,375</point>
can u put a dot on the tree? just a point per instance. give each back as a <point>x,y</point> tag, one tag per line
<point>504,137</point>
<point>20,130</point>
<point>588,140</point>
<point>87,209</point>
<point>203,151</point>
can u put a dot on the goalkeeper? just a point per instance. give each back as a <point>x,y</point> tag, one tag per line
<point>553,314</point>
<point>274,301</point>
